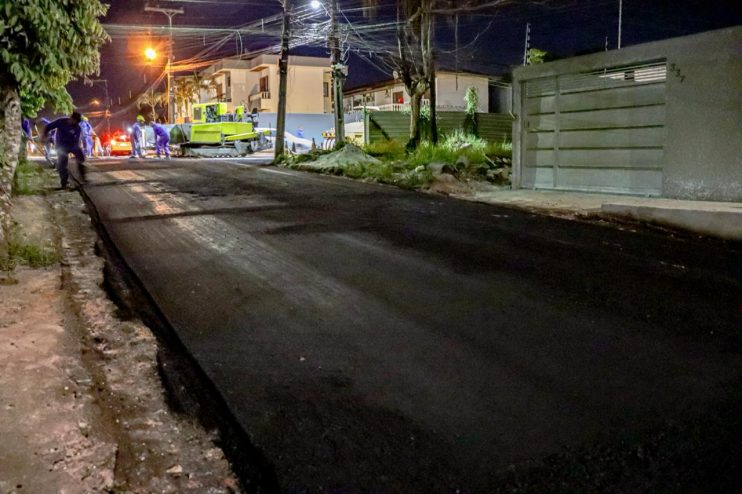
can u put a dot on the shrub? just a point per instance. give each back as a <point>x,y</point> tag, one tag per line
<point>387,150</point>
<point>502,149</point>
<point>29,178</point>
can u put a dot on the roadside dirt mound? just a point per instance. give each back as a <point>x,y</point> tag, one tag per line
<point>349,155</point>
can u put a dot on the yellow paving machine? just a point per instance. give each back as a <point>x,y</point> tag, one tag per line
<point>215,132</point>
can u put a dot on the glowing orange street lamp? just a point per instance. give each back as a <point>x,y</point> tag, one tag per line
<point>150,54</point>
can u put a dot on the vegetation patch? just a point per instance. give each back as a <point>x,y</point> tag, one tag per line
<point>461,154</point>
<point>20,252</point>
<point>30,178</point>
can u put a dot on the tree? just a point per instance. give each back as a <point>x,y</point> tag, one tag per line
<point>414,58</point>
<point>471,124</point>
<point>44,44</point>
<point>538,56</point>
<point>149,101</point>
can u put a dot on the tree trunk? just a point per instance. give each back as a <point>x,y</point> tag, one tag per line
<point>10,142</point>
<point>415,105</point>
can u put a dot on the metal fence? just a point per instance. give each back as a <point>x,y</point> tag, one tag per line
<point>495,127</point>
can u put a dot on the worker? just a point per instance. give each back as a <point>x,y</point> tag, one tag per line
<point>162,139</point>
<point>137,138</point>
<point>87,136</point>
<point>26,137</point>
<point>68,133</point>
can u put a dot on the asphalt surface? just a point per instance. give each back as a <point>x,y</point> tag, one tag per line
<point>369,337</point>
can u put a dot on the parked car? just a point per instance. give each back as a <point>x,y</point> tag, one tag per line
<point>117,144</point>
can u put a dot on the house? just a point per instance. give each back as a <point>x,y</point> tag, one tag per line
<point>254,83</point>
<point>451,88</point>
<point>656,119</point>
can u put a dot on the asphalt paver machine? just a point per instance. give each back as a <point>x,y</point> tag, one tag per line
<point>215,132</point>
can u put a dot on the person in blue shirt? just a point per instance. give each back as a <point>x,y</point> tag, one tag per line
<point>87,136</point>
<point>162,139</point>
<point>48,143</point>
<point>26,136</point>
<point>68,141</point>
<point>26,126</point>
<point>137,138</point>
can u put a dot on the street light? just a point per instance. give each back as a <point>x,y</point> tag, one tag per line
<point>170,13</point>
<point>315,4</point>
<point>150,54</point>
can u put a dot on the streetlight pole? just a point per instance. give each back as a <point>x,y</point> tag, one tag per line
<point>620,21</point>
<point>337,75</point>
<point>170,13</point>
<point>283,70</point>
<point>90,82</point>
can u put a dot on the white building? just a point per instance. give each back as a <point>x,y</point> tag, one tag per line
<point>391,95</point>
<point>254,83</point>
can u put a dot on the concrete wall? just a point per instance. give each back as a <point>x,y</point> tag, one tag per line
<point>702,157</point>
<point>452,89</point>
<point>312,125</point>
<point>304,90</point>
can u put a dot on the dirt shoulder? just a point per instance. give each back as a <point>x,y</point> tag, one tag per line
<point>82,406</point>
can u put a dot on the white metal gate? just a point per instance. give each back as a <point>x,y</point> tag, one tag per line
<point>600,131</point>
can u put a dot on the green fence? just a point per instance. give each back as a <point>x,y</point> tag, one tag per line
<point>396,125</point>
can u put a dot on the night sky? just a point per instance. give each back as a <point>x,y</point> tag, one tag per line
<point>561,27</point>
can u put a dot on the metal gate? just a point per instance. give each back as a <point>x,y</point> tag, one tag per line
<point>600,131</point>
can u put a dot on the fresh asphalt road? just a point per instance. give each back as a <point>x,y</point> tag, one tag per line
<point>372,337</point>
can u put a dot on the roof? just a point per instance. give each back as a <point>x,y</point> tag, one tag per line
<point>264,60</point>
<point>394,82</point>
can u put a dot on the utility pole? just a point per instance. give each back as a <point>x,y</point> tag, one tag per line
<point>170,13</point>
<point>338,75</point>
<point>620,21</point>
<point>527,44</point>
<point>433,101</point>
<point>283,72</point>
<point>107,110</point>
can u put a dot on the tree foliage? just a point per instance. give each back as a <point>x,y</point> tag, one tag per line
<point>44,44</point>
<point>471,123</point>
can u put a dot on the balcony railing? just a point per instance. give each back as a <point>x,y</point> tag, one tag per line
<point>401,107</point>
<point>260,95</point>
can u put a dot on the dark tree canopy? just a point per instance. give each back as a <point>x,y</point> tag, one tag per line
<point>44,44</point>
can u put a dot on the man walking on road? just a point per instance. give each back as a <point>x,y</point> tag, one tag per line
<point>68,141</point>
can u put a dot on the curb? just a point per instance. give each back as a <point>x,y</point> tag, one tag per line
<point>721,223</point>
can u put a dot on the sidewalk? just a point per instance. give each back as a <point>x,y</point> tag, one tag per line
<point>715,219</point>
<point>82,406</point>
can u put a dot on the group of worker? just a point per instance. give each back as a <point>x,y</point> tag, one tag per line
<point>137,137</point>
<point>88,136</point>
<point>74,135</point>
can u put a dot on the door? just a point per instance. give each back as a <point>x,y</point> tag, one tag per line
<point>600,131</point>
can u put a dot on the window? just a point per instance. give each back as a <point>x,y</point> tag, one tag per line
<point>228,79</point>
<point>264,84</point>
<point>398,97</point>
<point>326,89</point>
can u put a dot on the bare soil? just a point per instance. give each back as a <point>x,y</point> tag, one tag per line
<point>82,406</point>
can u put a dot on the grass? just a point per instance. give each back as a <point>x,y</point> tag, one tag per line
<point>449,150</point>
<point>20,252</point>
<point>470,156</point>
<point>400,174</point>
<point>30,178</point>
<point>387,150</point>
